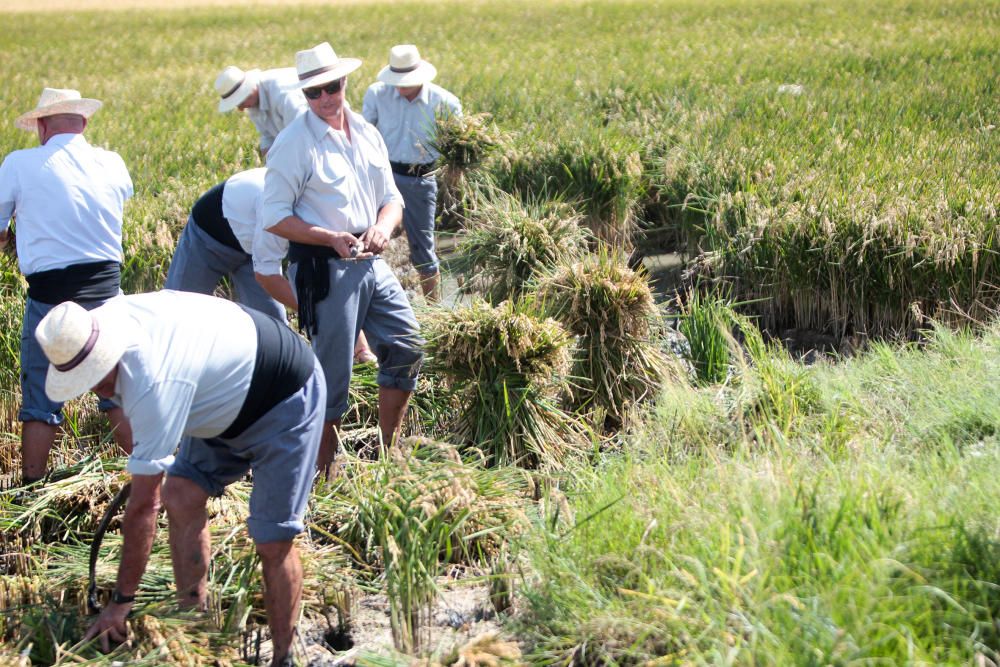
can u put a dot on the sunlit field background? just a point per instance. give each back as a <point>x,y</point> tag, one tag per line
<point>624,496</point>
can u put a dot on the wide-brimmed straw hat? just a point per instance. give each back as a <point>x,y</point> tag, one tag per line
<point>82,346</point>
<point>406,68</point>
<point>234,86</point>
<point>56,101</point>
<point>320,65</point>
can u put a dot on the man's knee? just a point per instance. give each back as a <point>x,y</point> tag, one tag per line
<point>275,552</point>
<point>182,497</point>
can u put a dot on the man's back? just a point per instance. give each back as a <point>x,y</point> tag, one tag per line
<point>68,198</point>
<point>280,102</point>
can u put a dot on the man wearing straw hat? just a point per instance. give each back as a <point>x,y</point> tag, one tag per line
<point>272,99</point>
<point>329,190</point>
<point>67,199</point>
<point>218,241</point>
<point>240,392</point>
<point>403,104</point>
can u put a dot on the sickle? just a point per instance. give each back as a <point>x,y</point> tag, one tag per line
<point>93,606</point>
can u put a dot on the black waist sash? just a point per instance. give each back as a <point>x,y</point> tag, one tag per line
<point>406,169</point>
<point>90,281</point>
<point>282,365</point>
<point>207,214</point>
<point>312,280</point>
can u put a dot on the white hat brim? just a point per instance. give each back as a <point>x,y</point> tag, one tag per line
<point>424,73</point>
<point>116,332</point>
<point>250,81</point>
<point>85,107</point>
<point>343,67</point>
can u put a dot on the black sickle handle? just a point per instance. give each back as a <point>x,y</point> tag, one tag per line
<point>95,547</point>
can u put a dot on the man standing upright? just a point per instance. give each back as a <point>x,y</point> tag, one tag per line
<point>403,104</point>
<point>271,98</point>
<point>329,190</point>
<point>67,199</point>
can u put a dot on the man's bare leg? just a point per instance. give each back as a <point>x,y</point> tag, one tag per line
<point>391,410</point>
<point>190,545</point>
<point>362,352</point>
<point>282,593</point>
<point>326,460</point>
<point>430,284</point>
<point>36,442</point>
<point>121,429</point>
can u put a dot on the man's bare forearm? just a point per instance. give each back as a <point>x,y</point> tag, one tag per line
<point>138,531</point>
<point>389,216</point>
<point>278,287</point>
<point>296,229</point>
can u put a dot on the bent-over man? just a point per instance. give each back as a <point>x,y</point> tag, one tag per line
<point>329,190</point>
<point>271,98</point>
<point>67,198</point>
<point>403,104</point>
<point>217,242</point>
<point>242,390</point>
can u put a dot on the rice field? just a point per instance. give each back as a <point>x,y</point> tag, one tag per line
<point>609,492</point>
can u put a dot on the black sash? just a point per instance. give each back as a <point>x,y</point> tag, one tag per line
<point>207,214</point>
<point>91,281</point>
<point>281,367</point>
<point>405,169</point>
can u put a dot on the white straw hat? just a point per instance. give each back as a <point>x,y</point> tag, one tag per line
<point>82,346</point>
<point>56,101</point>
<point>234,86</point>
<point>406,68</point>
<point>320,65</point>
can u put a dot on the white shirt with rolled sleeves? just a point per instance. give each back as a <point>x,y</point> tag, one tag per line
<point>269,251</point>
<point>280,102</point>
<point>68,198</point>
<point>315,173</point>
<point>408,127</point>
<point>241,199</point>
<point>186,372</point>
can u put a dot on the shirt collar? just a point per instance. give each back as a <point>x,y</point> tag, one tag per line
<point>319,127</point>
<point>64,138</point>
<point>423,96</point>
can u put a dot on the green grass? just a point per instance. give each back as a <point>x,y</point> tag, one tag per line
<point>865,533</point>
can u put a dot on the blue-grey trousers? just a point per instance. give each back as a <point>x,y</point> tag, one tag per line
<point>420,196</point>
<point>280,448</point>
<point>200,262</point>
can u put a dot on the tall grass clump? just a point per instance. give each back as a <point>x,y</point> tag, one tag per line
<point>708,324</point>
<point>510,367</point>
<point>508,243</point>
<point>609,308</point>
<point>601,172</point>
<point>418,509</point>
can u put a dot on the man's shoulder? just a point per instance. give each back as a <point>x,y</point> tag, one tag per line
<point>443,95</point>
<point>282,76</point>
<point>296,136</point>
<point>378,89</point>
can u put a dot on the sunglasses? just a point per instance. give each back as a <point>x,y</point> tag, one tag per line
<point>331,88</point>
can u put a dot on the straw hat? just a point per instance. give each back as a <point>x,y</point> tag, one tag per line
<point>56,101</point>
<point>82,347</point>
<point>234,86</point>
<point>320,65</point>
<point>406,68</point>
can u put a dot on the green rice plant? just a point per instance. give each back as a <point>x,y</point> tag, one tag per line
<point>510,368</point>
<point>507,243</point>
<point>708,324</point>
<point>609,308</point>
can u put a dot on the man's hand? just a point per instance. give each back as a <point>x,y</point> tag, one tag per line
<point>342,243</point>
<point>376,238</point>
<point>110,624</point>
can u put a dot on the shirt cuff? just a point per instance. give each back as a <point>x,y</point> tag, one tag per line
<point>155,467</point>
<point>267,268</point>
